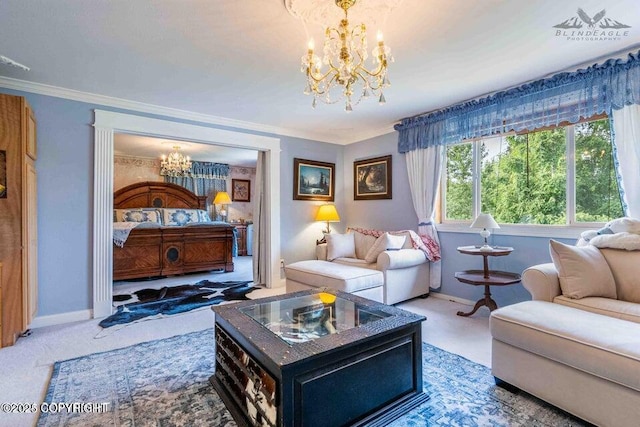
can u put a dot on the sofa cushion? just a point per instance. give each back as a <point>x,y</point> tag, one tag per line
<point>363,243</point>
<point>606,306</point>
<point>333,275</point>
<point>355,262</point>
<point>583,271</point>
<point>625,267</point>
<point>340,246</point>
<point>598,345</point>
<point>384,242</point>
<point>408,242</point>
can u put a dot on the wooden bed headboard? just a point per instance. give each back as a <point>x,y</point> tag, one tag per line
<point>157,195</point>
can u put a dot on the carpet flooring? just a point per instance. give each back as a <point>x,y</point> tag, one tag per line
<point>165,383</point>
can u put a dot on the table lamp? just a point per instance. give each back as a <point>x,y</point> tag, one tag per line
<point>485,221</point>
<point>327,213</point>
<point>222,198</point>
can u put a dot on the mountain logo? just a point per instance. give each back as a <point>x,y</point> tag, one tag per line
<point>598,20</point>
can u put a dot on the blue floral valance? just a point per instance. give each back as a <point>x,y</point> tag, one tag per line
<point>208,170</point>
<point>565,97</point>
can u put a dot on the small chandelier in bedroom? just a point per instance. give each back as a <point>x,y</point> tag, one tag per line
<point>346,76</point>
<point>175,164</point>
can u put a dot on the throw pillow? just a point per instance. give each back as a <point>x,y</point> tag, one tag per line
<point>384,242</point>
<point>340,246</point>
<point>364,242</point>
<point>583,271</point>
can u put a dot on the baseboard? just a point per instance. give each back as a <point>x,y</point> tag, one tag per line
<point>58,319</point>
<point>451,298</point>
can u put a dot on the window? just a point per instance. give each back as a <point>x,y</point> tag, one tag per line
<point>557,176</point>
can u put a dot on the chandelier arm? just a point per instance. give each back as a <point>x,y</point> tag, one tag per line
<point>319,79</point>
<point>328,86</point>
<point>381,67</point>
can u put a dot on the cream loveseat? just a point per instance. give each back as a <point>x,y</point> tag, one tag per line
<point>577,345</point>
<point>385,268</point>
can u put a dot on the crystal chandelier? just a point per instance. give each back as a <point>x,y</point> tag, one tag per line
<point>175,164</point>
<point>345,54</point>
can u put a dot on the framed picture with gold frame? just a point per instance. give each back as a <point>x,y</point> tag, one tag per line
<point>241,190</point>
<point>372,179</point>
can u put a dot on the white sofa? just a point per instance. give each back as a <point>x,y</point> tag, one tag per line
<point>405,271</point>
<point>577,345</point>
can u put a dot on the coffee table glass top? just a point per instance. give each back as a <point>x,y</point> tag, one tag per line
<point>309,317</point>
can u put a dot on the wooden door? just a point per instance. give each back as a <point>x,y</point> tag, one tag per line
<point>30,245</point>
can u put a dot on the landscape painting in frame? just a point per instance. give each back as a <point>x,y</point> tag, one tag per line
<point>372,179</point>
<point>313,180</point>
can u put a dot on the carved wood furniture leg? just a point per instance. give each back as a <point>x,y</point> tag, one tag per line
<point>486,301</point>
<point>479,304</point>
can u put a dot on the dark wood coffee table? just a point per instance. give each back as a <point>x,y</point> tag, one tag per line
<point>317,358</point>
<point>485,277</point>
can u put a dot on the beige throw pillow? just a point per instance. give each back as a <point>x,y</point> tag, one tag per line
<point>340,246</point>
<point>583,271</point>
<point>384,242</point>
<point>364,242</point>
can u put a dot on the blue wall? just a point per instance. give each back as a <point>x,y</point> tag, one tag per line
<point>388,214</point>
<point>65,199</point>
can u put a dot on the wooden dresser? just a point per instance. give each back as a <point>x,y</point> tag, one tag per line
<point>18,218</point>
<point>242,238</point>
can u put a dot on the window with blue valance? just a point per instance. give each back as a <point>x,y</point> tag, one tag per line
<point>563,98</point>
<point>204,178</point>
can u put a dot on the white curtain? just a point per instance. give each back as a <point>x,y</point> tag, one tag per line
<point>626,130</point>
<point>260,260</point>
<point>423,167</point>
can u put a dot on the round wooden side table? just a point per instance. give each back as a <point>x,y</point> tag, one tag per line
<point>485,277</point>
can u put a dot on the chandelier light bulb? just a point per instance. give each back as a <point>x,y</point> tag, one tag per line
<point>310,45</point>
<point>379,36</point>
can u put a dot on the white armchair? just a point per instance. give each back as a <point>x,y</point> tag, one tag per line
<point>405,270</point>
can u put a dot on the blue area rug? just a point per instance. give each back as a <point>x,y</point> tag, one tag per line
<point>166,383</point>
<point>175,299</point>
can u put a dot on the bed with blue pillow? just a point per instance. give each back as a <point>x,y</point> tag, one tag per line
<point>169,233</point>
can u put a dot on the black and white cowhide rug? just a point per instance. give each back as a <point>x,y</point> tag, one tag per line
<point>175,299</point>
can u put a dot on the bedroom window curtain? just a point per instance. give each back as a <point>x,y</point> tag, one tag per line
<point>626,146</point>
<point>424,188</point>
<point>204,179</point>
<point>260,260</point>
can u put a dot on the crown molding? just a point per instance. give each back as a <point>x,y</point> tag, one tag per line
<point>135,106</point>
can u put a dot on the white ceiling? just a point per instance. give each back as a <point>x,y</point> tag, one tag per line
<point>240,60</point>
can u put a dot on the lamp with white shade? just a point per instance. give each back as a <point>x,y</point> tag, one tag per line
<point>485,221</point>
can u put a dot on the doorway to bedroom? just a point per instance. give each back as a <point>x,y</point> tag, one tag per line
<point>224,181</point>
